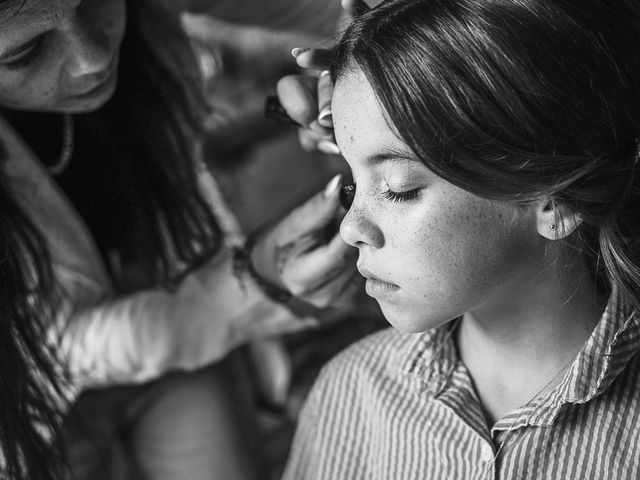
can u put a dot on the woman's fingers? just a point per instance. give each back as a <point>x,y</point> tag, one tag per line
<point>298,95</point>
<point>325,91</point>
<point>316,274</point>
<point>339,290</point>
<point>318,60</point>
<point>310,265</point>
<point>315,215</point>
<point>314,59</point>
<point>307,99</point>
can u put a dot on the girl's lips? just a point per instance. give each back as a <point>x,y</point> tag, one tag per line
<point>377,287</point>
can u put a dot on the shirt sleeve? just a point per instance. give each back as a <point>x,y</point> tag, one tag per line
<point>139,337</point>
<point>304,461</point>
<point>331,438</point>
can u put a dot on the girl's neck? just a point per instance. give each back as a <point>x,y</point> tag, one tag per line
<point>521,344</point>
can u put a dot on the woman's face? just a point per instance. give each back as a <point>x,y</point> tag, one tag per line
<point>430,250</point>
<point>59,55</point>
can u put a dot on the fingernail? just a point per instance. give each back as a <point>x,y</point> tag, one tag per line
<point>315,126</point>
<point>297,51</point>
<point>332,186</point>
<point>325,118</point>
<point>324,73</point>
<point>326,146</point>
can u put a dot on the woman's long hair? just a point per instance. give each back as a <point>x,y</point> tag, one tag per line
<point>150,128</point>
<point>151,124</point>
<point>29,380</point>
<point>519,100</point>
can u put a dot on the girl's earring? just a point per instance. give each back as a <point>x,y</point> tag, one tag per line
<point>553,226</point>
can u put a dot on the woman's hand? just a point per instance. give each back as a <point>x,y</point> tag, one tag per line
<point>305,255</point>
<point>307,99</point>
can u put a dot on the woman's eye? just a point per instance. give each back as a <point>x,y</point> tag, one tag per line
<point>25,57</point>
<point>401,196</point>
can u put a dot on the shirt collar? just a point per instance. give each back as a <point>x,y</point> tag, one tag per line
<point>612,344</point>
<point>605,354</point>
<point>431,357</point>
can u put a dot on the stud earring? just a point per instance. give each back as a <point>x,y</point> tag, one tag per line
<point>553,226</point>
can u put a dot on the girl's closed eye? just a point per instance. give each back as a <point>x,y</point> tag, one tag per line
<point>401,196</point>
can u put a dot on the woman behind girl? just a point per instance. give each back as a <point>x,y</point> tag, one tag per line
<point>495,149</point>
<point>116,261</point>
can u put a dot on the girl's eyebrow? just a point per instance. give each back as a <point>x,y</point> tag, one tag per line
<point>390,156</point>
<point>12,51</point>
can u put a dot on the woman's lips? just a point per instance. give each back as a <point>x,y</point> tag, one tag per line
<point>102,80</point>
<point>99,86</point>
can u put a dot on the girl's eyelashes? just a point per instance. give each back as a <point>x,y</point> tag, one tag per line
<point>401,196</point>
<point>348,192</point>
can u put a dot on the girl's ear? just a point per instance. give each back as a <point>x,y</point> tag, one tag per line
<point>556,221</point>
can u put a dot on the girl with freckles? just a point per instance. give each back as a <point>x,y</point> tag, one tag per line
<point>494,148</point>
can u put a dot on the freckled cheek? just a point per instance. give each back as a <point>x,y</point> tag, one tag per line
<point>486,249</point>
<point>445,247</point>
<point>30,95</point>
<point>46,93</point>
<point>419,249</point>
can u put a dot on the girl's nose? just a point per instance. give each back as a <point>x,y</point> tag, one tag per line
<point>358,229</point>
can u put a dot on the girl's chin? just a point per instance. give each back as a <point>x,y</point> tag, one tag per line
<point>412,321</point>
<point>93,100</point>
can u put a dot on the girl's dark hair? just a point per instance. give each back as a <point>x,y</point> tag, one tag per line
<point>152,123</point>
<point>519,100</point>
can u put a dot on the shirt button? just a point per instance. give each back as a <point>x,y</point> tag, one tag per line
<point>487,454</point>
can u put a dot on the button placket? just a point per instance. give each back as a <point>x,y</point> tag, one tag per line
<point>487,454</point>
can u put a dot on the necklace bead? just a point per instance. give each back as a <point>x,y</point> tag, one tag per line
<point>66,152</point>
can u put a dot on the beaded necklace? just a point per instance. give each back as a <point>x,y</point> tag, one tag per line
<point>66,152</point>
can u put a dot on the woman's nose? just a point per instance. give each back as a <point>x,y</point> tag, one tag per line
<point>89,51</point>
<point>359,230</point>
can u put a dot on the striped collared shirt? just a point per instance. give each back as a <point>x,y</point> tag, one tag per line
<point>401,406</point>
